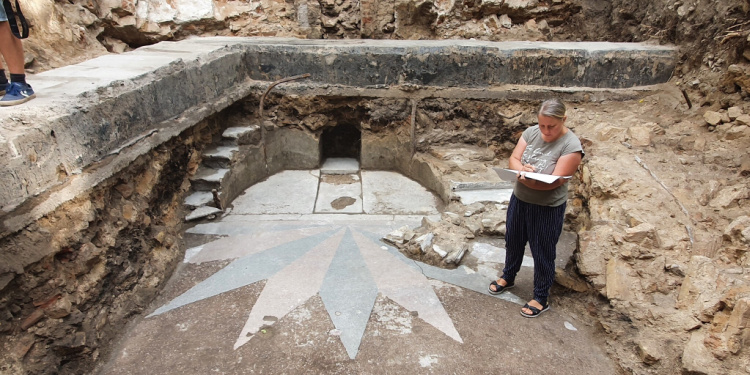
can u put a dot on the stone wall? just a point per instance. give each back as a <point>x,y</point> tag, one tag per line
<point>664,237</point>
<point>104,256</point>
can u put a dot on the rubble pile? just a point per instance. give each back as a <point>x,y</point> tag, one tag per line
<point>444,243</point>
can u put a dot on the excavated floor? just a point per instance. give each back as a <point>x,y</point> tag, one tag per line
<point>298,280</point>
<point>290,287</point>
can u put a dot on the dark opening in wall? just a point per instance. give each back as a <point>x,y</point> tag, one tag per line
<point>342,141</point>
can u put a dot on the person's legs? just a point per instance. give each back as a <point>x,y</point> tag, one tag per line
<point>545,230</point>
<point>18,91</point>
<point>3,77</point>
<point>11,49</point>
<point>516,236</point>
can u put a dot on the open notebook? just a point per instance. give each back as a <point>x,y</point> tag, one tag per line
<point>511,175</point>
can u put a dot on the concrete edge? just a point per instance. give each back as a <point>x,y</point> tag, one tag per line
<point>99,171</point>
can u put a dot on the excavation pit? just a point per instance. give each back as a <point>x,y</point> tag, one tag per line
<point>99,165</point>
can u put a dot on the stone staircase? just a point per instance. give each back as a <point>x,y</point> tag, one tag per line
<point>215,183</point>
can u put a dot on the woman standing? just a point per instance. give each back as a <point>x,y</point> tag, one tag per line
<point>537,209</point>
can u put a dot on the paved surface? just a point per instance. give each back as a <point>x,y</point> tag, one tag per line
<point>273,287</point>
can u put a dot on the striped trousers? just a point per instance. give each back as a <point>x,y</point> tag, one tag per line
<point>541,227</point>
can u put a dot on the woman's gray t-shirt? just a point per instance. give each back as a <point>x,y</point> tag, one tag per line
<point>543,156</point>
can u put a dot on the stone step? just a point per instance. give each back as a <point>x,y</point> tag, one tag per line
<point>340,166</point>
<point>206,179</point>
<point>203,212</point>
<point>199,199</point>
<point>242,135</point>
<point>219,156</point>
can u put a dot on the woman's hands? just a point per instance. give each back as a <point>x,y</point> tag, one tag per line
<point>535,184</point>
<point>525,168</point>
<point>566,166</point>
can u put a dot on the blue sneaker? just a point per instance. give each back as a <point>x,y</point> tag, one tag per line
<point>17,93</point>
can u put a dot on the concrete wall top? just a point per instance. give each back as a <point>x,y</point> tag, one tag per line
<point>462,63</point>
<point>107,111</point>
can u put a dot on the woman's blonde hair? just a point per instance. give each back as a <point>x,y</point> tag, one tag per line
<point>553,108</point>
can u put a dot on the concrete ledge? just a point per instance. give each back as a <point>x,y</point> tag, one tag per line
<point>462,63</point>
<point>90,120</point>
<point>88,111</point>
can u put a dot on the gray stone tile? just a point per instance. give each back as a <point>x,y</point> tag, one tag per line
<point>392,193</point>
<point>484,195</point>
<point>349,293</point>
<point>287,192</point>
<point>291,287</point>
<point>245,271</point>
<point>341,194</point>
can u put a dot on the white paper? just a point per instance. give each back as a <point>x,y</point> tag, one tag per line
<point>511,175</point>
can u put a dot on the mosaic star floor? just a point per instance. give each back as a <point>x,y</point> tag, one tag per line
<point>341,257</point>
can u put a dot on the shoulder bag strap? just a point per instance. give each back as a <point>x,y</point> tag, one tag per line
<point>14,17</point>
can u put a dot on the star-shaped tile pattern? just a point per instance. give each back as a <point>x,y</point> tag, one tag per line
<point>345,263</point>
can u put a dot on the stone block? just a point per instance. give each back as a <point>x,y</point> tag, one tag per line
<point>452,217</point>
<point>505,21</point>
<point>207,179</point>
<point>640,136</point>
<point>622,283</point>
<point>437,249</point>
<point>743,120</point>
<point>734,112</point>
<point>425,241</point>
<point>678,321</point>
<point>698,292</point>
<point>737,132</point>
<point>220,156</point>
<point>288,148</point>
<point>642,232</point>
<point>697,359</point>
<point>700,144</point>
<point>593,251</point>
<point>571,282</point>
<point>649,350</point>
<point>32,319</point>
<point>60,308</point>
<point>611,133</point>
<point>725,117</point>
<point>395,237</point>
<point>712,118</point>
<point>738,230</point>
<point>738,326</point>
<point>473,227</point>
<point>729,196</point>
<point>455,255</point>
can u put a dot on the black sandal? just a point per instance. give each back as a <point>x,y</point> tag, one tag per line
<point>499,288</point>
<point>534,311</point>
